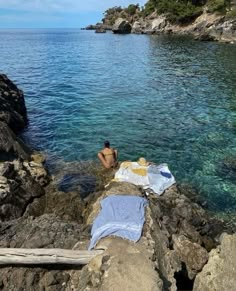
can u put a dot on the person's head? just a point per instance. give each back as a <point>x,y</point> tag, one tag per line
<point>106,144</point>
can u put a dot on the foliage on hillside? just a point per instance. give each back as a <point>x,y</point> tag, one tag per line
<point>176,11</point>
<point>130,13</point>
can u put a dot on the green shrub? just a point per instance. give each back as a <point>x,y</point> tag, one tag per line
<point>215,5</point>
<point>232,13</point>
<point>131,9</point>
<point>180,11</point>
<point>123,15</point>
<point>149,8</point>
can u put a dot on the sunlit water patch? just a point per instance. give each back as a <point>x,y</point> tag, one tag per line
<point>169,99</point>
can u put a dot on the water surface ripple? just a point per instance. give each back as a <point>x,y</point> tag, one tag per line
<point>169,99</point>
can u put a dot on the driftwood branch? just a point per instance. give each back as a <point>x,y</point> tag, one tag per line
<point>14,256</point>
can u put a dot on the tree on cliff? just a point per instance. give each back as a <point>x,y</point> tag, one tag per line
<point>182,11</point>
<point>176,11</point>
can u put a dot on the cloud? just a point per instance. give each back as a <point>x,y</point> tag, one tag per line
<point>63,6</point>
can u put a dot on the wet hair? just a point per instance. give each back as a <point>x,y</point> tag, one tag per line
<point>107,144</point>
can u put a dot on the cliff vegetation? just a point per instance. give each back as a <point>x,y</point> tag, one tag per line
<point>176,11</point>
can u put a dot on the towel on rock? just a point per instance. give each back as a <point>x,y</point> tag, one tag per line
<point>121,216</point>
<point>155,177</point>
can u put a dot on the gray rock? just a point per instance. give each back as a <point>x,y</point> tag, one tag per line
<point>67,206</point>
<point>219,273</point>
<point>10,146</point>
<point>192,254</point>
<point>229,31</point>
<point>206,36</point>
<point>12,104</point>
<point>159,23</point>
<point>37,172</point>
<point>46,231</point>
<point>17,190</point>
<point>137,27</point>
<point>121,26</point>
<point>100,30</point>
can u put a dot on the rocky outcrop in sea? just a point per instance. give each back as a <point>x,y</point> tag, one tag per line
<point>182,247</point>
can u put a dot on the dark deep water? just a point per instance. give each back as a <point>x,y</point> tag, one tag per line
<point>169,99</point>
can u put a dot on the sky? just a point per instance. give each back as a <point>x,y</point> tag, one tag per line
<point>56,13</point>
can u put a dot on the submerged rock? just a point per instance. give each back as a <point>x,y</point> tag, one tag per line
<point>83,183</point>
<point>100,30</point>
<point>206,36</point>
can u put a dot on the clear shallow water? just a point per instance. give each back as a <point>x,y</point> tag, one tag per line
<point>169,99</point>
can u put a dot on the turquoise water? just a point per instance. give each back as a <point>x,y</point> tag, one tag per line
<point>166,98</point>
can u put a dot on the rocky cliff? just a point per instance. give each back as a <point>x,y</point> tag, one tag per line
<point>205,20</point>
<point>210,27</point>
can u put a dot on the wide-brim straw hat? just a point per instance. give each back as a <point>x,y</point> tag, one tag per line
<point>142,162</point>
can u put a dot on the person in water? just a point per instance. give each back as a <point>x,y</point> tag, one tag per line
<point>108,156</point>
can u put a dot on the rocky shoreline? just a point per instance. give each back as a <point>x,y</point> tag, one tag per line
<point>206,27</point>
<point>182,247</point>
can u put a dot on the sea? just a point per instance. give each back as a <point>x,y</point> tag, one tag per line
<point>169,99</point>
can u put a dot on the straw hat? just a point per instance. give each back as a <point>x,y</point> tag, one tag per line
<point>142,162</point>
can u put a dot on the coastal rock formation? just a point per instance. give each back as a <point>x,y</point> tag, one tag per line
<point>100,30</point>
<point>220,30</point>
<point>12,105</point>
<point>177,237</point>
<point>220,272</point>
<point>17,189</point>
<point>13,117</point>
<point>37,172</point>
<point>47,231</point>
<point>121,26</point>
<point>206,27</point>
<point>67,206</point>
<point>137,27</point>
<point>11,146</point>
<point>159,24</point>
<point>204,20</point>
